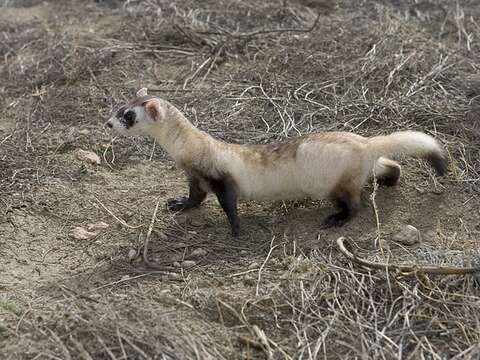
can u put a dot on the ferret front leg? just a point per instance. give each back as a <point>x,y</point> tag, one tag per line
<point>348,204</point>
<point>195,197</point>
<point>227,197</point>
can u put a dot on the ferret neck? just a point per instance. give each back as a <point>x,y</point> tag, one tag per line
<point>176,134</point>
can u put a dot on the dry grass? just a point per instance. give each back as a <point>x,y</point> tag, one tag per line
<point>244,71</point>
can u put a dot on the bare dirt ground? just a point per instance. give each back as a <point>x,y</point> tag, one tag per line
<point>245,71</point>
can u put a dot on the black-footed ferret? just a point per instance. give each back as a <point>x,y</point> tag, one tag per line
<point>332,165</point>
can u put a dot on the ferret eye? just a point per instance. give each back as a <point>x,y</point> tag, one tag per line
<point>129,118</point>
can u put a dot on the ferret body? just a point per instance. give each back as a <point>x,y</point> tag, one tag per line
<point>333,165</point>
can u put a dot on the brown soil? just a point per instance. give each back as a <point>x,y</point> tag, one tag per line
<point>244,71</point>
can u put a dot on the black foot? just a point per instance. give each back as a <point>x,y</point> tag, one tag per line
<point>335,220</point>
<point>235,230</point>
<point>178,204</point>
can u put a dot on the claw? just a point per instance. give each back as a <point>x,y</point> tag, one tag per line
<point>177,204</point>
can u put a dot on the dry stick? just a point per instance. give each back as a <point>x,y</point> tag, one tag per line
<point>257,332</point>
<point>196,72</point>
<point>107,349</point>
<point>264,340</point>
<point>212,64</point>
<point>140,351</point>
<point>378,239</point>
<point>263,265</point>
<point>404,269</point>
<point>117,218</point>
<point>262,32</point>
<point>153,150</point>
<point>110,144</point>
<point>147,262</point>
<point>81,349</point>
<point>121,344</point>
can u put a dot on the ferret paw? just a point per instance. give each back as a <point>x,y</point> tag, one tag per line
<point>178,204</point>
<point>235,230</point>
<point>335,220</point>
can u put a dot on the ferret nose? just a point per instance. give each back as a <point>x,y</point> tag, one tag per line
<point>109,124</point>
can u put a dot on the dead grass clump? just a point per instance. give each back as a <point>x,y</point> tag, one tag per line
<point>338,312</point>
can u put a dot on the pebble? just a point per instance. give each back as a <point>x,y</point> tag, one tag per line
<point>132,254</point>
<point>408,235</point>
<point>80,233</point>
<point>173,276</point>
<point>199,252</point>
<point>188,263</point>
<point>88,156</point>
<point>177,264</point>
<point>253,265</point>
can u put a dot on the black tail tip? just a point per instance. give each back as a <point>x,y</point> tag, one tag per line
<point>439,162</point>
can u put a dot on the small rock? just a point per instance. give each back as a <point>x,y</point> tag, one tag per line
<point>199,252</point>
<point>177,264</point>
<point>188,263</point>
<point>125,277</point>
<point>134,158</point>
<point>197,223</point>
<point>173,276</point>
<point>132,254</point>
<point>161,235</point>
<point>97,226</point>
<point>84,132</point>
<point>88,156</point>
<point>408,235</point>
<point>80,233</point>
<point>253,265</point>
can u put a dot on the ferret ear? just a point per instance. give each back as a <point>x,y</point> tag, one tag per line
<point>142,92</point>
<point>154,109</point>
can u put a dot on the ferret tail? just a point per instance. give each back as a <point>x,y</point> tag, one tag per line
<point>409,143</point>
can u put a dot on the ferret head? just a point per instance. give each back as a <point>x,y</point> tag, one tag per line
<point>138,116</point>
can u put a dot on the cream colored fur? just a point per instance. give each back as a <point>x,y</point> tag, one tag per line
<point>316,168</point>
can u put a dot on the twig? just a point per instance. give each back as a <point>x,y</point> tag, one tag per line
<point>81,349</point>
<point>147,262</point>
<point>117,218</point>
<point>153,150</point>
<point>378,239</point>
<point>263,265</point>
<point>263,32</point>
<point>137,349</point>
<point>242,273</point>
<point>404,269</point>
<point>110,144</point>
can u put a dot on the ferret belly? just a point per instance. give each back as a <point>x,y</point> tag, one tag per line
<point>276,184</point>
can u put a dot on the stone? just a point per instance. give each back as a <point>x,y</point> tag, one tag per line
<point>408,235</point>
<point>87,156</point>
<point>132,254</point>
<point>188,263</point>
<point>199,252</point>
<point>80,233</point>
